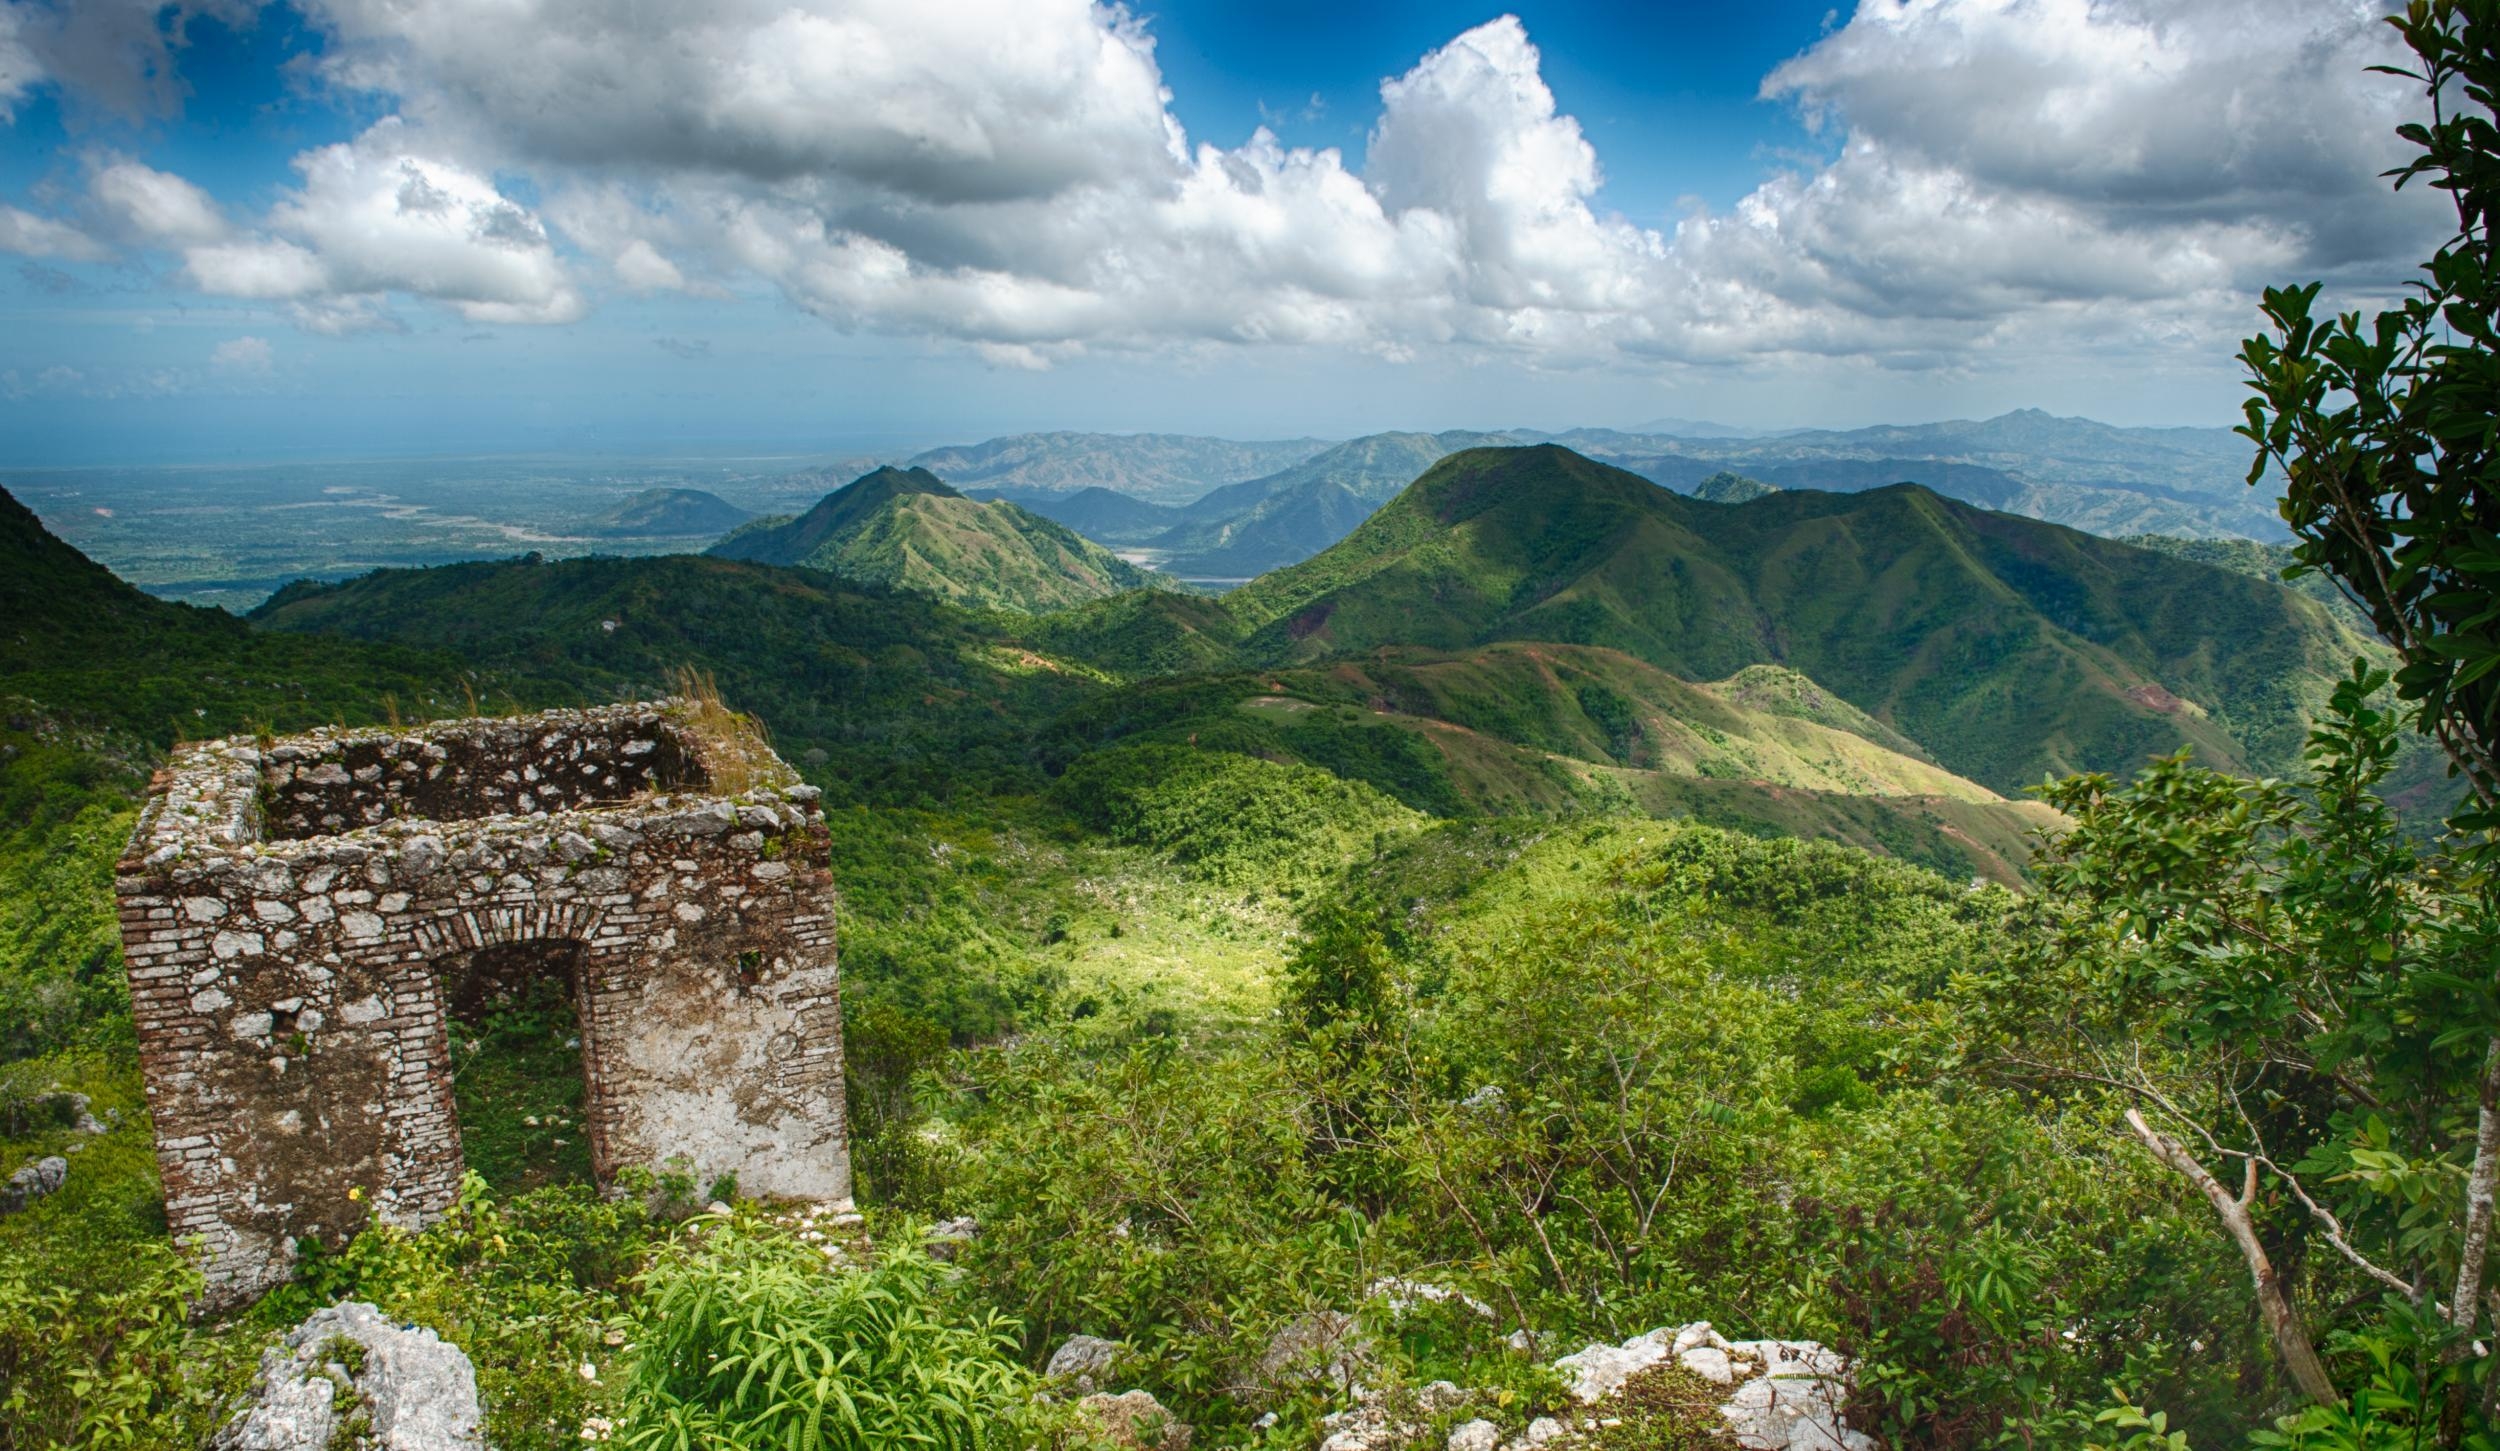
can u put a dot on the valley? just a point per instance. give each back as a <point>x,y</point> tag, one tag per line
<point>1528,748</point>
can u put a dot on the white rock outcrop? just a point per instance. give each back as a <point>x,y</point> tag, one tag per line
<point>348,1377</point>
<point>1789,1394</point>
<point>1083,1360</point>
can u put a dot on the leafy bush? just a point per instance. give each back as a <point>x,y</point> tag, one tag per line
<point>93,1351</point>
<point>1160,1198</point>
<point>745,1340</point>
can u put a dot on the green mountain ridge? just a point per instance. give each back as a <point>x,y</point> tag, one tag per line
<point>907,529</point>
<point>2009,648</point>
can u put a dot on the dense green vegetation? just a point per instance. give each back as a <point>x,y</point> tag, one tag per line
<point>1411,967</point>
<point>888,695</point>
<point>903,529</point>
<point>2258,561</point>
<point>1085,858</point>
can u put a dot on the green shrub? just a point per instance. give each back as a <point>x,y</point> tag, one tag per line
<point>531,1287</point>
<point>93,1351</point>
<point>1234,820</point>
<point>747,1340</point>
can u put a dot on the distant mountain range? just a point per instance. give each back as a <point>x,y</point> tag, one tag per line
<point>1161,468</point>
<point>2117,482</point>
<point>1263,524</point>
<point>1524,629</point>
<point>905,529</point>
<point>1105,515</point>
<point>670,514</point>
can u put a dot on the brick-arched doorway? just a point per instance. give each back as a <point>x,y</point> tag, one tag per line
<point>518,1047</point>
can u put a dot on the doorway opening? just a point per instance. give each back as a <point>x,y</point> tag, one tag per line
<point>517,1081</point>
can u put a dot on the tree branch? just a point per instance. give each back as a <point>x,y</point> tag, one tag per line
<point>2291,1337</point>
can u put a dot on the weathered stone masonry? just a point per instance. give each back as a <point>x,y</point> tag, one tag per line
<point>290,909</point>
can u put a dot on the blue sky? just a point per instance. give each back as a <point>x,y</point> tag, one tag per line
<point>354,227</point>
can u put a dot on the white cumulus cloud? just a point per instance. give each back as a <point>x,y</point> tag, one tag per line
<point>2085,176</point>
<point>154,206</point>
<point>375,217</point>
<point>29,235</point>
<point>19,69</point>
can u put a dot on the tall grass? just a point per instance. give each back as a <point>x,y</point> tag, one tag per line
<point>737,756</point>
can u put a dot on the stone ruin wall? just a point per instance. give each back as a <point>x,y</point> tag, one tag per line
<point>291,911</point>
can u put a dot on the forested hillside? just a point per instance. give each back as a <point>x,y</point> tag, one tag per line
<point>2008,648</point>
<point>1287,883</point>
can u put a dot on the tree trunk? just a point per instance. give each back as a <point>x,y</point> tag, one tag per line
<point>2465,1303</point>
<point>2283,1323</point>
<point>2480,1183</point>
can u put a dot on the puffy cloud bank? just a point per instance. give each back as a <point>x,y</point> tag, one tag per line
<point>2043,174</point>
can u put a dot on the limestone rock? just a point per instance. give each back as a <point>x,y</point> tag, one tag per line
<point>1789,1395</point>
<point>1792,1413</point>
<point>1598,1371</point>
<point>348,1377</point>
<point>1404,1296</point>
<point>1326,1345</point>
<point>947,1237</point>
<point>1084,1359</point>
<point>1137,1420</point>
<point>1476,1435</point>
<point>75,1109</point>
<point>38,1180</point>
<point>1372,1424</point>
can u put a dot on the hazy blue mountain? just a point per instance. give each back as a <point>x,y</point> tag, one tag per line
<point>1162,468</point>
<point>1695,428</point>
<point>1105,516</point>
<point>1250,528</point>
<point>2107,480</point>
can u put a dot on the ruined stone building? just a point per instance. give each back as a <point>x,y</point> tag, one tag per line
<point>302,916</point>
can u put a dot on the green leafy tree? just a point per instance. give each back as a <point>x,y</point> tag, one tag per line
<point>2388,433</point>
<point>2325,990</point>
<point>2296,995</point>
